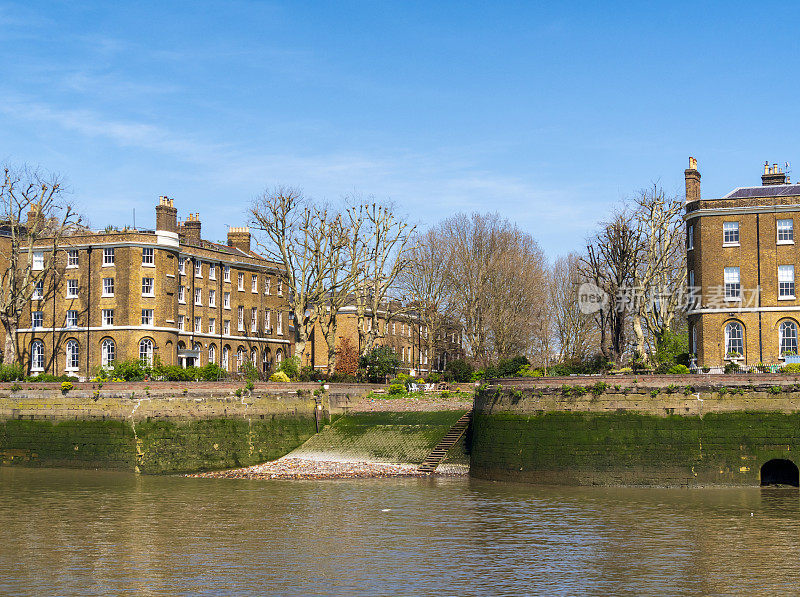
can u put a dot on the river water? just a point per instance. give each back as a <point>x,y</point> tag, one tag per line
<point>65,532</point>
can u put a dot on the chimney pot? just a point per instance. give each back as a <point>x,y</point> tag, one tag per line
<point>166,215</point>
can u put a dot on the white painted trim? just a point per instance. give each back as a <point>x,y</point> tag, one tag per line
<point>146,329</point>
<point>734,211</point>
<point>731,245</point>
<point>734,309</point>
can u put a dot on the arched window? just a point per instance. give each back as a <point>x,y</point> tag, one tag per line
<point>239,358</point>
<point>734,339</point>
<point>73,352</point>
<point>226,353</point>
<point>787,336</point>
<point>146,351</point>
<point>265,360</point>
<point>108,352</point>
<point>212,354</point>
<point>694,340</point>
<point>278,356</point>
<point>254,358</point>
<point>37,355</point>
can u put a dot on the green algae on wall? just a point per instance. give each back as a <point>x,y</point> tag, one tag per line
<point>156,446</point>
<point>613,448</point>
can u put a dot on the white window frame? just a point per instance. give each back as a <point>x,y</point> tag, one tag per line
<point>253,319</point>
<point>182,295</point>
<point>73,353</point>
<point>279,323</point>
<point>212,297</point>
<point>38,290</point>
<point>254,284</point>
<point>226,327</point>
<point>732,284</point>
<point>689,237</point>
<point>240,281</point>
<point>71,320</point>
<point>729,339</point>
<point>226,356</point>
<point>182,266</point>
<point>786,288</point>
<point>280,287</point>
<point>182,323</point>
<point>107,318</point>
<point>152,284</point>
<point>783,338</point>
<point>198,324</point>
<point>146,351</point>
<point>198,268</point>
<point>267,284</point>
<point>212,325</point>
<point>72,289</point>
<point>729,230</point>
<point>267,321</point>
<point>198,297</point>
<point>108,352</point>
<point>108,287</point>
<point>226,300</point>
<point>109,257</point>
<point>148,257</point>
<point>240,318</point>
<point>38,260</point>
<point>72,259</point>
<point>37,319</point>
<point>37,355</point>
<point>212,271</point>
<point>785,232</point>
<point>212,353</point>
<point>226,273</point>
<point>147,317</point>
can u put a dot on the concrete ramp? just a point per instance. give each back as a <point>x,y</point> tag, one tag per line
<point>385,437</point>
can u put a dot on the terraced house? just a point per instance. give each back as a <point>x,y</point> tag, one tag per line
<point>163,294</point>
<point>742,261</point>
<point>401,329</point>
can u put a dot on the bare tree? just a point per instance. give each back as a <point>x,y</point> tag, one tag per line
<point>383,256</point>
<point>571,327</point>
<point>306,239</point>
<point>660,273</point>
<point>610,263</point>
<point>40,198</point>
<point>427,285</point>
<point>498,286</point>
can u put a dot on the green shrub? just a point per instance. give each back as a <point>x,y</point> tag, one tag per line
<point>249,385</point>
<point>671,388</point>
<point>50,378</point>
<point>290,366</point>
<point>731,367</point>
<point>379,364</point>
<point>678,370</point>
<point>279,376</point>
<point>598,388</point>
<point>133,370</point>
<point>774,390</point>
<point>461,370</point>
<point>14,372</point>
<point>396,389</point>
<point>654,392</point>
<point>433,378</point>
<point>66,386</point>
<point>16,387</point>
<point>512,367</point>
<point>791,369</point>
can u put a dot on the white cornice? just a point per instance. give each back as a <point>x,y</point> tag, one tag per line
<point>732,211</point>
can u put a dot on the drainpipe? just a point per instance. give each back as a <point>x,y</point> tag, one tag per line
<point>88,309</point>
<point>758,262</point>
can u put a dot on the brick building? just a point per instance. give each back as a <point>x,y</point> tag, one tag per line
<point>401,331</point>
<point>161,294</point>
<point>741,260</point>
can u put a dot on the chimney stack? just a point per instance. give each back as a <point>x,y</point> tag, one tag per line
<point>35,218</point>
<point>166,215</point>
<point>191,229</point>
<point>239,238</point>
<point>773,175</point>
<point>692,177</point>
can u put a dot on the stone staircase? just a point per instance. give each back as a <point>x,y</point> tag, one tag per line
<point>438,453</point>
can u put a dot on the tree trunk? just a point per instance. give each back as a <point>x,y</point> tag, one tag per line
<point>331,342</point>
<point>639,333</point>
<point>10,351</point>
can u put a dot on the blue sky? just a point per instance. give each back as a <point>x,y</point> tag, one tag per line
<point>549,113</point>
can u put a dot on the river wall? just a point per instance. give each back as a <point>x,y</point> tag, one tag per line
<point>681,430</point>
<point>159,427</point>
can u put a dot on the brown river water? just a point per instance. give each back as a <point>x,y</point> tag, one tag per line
<point>65,532</point>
